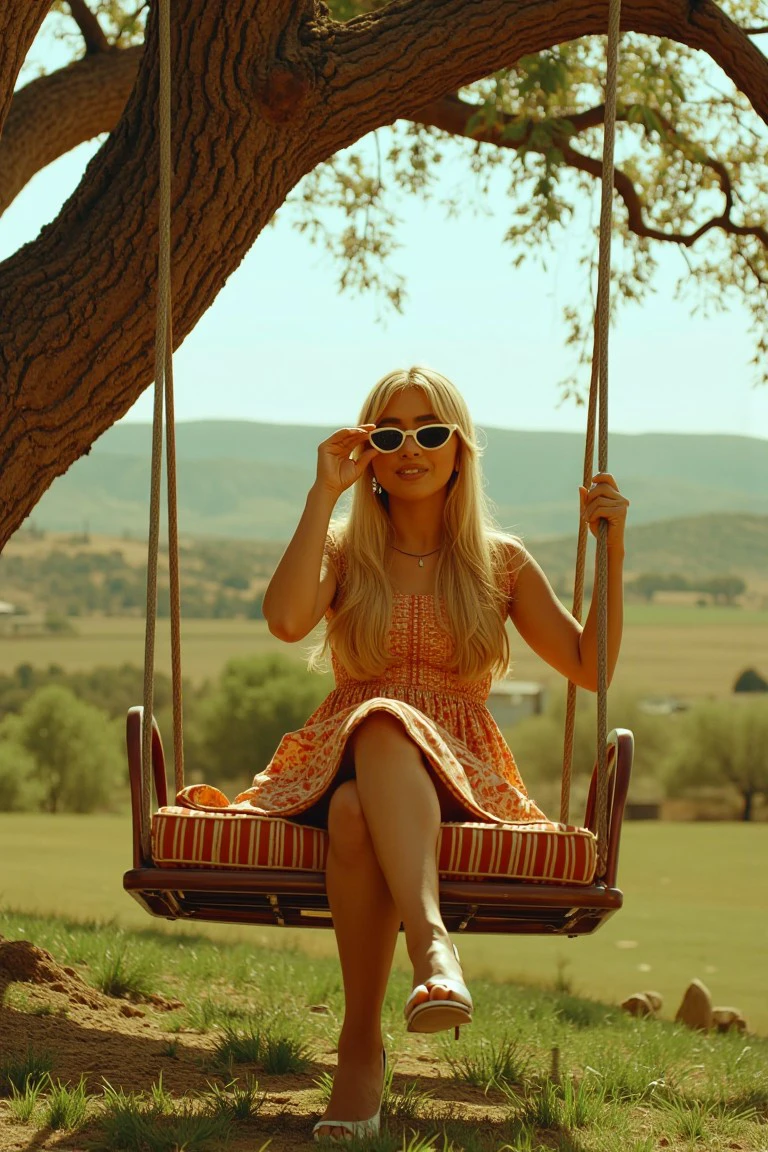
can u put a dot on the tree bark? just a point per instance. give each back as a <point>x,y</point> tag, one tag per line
<point>20,22</point>
<point>262,93</point>
<point>52,115</point>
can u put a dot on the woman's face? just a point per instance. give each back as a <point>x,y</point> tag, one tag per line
<point>412,472</point>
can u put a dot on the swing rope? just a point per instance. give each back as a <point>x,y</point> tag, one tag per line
<point>163,399</point>
<point>598,402</point>
<point>164,405</point>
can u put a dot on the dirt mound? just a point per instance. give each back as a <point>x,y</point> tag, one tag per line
<point>25,963</point>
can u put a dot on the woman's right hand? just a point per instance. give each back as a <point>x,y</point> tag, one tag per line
<point>336,471</point>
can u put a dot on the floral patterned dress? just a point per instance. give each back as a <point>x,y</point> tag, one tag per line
<point>445,716</point>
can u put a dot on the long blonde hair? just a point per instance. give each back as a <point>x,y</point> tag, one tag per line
<point>471,577</point>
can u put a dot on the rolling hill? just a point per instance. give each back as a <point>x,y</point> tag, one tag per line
<point>249,480</point>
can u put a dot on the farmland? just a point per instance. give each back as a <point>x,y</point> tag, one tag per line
<point>667,649</point>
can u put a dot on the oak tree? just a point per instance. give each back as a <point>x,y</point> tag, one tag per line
<point>270,102</point>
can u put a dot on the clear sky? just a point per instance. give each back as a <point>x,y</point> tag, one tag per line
<point>281,344</point>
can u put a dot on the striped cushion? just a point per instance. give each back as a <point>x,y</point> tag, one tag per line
<point>185,838</point>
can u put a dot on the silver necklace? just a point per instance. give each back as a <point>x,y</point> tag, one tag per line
<point>420,556</point>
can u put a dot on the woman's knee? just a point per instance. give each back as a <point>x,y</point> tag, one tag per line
<point>381,729</point>
<point>347,826</point>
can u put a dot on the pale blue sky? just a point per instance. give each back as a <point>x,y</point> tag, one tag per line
<point>281,345</point>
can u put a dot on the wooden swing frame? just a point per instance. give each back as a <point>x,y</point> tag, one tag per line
<point>299,900</point>
<point>290,898</point>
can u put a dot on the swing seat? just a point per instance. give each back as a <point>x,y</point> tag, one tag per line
<point>239,868</point>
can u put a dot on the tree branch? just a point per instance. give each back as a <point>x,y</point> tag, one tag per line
<point>635,207</point>
<point>500,33</point>
<point>93,34</point>
<point>55,113</point>
<point>452,114</point>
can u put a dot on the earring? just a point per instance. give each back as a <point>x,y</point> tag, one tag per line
<point>377,488</point>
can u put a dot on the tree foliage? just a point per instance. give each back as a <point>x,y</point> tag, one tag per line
<point>750,680</point>
<point>19,791</point>
<point>723,744</point>
<point>65,750</point>
<point>537,742</point>
<point>255,702</point>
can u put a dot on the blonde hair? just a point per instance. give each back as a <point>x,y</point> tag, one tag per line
<point>471,577</point>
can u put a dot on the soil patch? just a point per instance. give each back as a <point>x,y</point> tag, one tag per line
<point>86,1033</point>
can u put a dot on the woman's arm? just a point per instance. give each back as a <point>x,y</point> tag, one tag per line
<point>302,588</point>
<point>547,626</point>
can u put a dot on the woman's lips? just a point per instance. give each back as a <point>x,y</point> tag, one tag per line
<point>411,474</point>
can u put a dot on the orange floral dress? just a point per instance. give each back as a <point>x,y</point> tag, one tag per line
<point>445,716</point>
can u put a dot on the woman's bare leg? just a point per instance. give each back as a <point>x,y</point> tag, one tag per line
<point>366,924</point>
<point>402,811</point>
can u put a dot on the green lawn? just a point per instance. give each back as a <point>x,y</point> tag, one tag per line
<point>696,901</point>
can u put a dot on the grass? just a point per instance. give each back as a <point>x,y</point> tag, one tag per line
<point>24,1073</point>
<point>153,1122</point>
<point>65,1106</point>
<point>695,899</point>
<point>122,975</point>
<point>23,1104</point>
<point>622,1081</point>
<point>482,1064</point>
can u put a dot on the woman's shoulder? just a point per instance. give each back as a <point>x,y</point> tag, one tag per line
<point>510,557</point>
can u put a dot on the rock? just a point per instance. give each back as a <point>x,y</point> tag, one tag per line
<point>728,1020</point>
<point>638,1004</point>
<point>656,1000</point>
<point>162,1003</point>
<point>695,1009</point>
<point>129,1010</point>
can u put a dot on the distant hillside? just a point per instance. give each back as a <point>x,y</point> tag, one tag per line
<point>249,480</point>
<point>77,575</point>
<point>697,547</point>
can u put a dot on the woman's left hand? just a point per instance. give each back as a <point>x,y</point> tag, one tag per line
<point>603,501</point>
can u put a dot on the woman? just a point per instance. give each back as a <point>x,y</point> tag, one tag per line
<point>415,587</point>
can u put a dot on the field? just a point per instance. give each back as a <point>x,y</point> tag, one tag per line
<point>695,906</point>
<point>667,650</point>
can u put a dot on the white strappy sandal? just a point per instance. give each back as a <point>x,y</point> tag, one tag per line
<point>439,1015</point>
<point>354,1128</point>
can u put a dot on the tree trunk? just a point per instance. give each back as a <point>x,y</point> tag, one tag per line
<point>262,93</point>
<point>749,800</point>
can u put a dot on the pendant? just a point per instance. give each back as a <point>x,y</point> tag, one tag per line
<point>421,561</point>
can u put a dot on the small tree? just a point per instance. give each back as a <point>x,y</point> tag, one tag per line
<point>258,699</point>
<point>537,742</point>
<point>750,680</point>
<point>18,789</point>
<point>73,749</point>
<point>724,589</point>
<point>723,743</point>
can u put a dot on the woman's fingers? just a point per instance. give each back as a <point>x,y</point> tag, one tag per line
<point>364,460</point>
<point>349,435</point>
<point>603,501</point>
<point>335,462</point>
